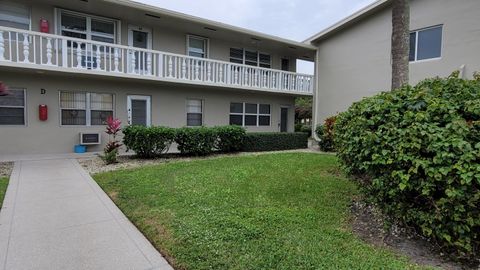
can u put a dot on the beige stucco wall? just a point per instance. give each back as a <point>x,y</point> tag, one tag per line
<point>168,108</point>
<point>355,62</point>
<point>164,37</point>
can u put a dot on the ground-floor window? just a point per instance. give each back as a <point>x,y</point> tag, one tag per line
<point>12,107</point>
<point>84,108</point>
<point>250,114</point>
<point>194,112</point>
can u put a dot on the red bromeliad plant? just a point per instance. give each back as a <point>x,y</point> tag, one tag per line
<point>3,89</point>
<point>111,149</point>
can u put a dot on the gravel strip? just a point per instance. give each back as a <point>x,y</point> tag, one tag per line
<point>95,165</point>
<point>6,169</point>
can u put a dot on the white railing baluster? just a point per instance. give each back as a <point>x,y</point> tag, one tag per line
<point>115,60</point>
<point>49,51</point>
<point>2,47</point>
<point>79,55</point>
<point>26,48</point>
<point>98,58</point>
<point>170,66</point>
<point>149,64</point>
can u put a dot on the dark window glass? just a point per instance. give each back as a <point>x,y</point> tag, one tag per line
<point>72,22</point>
<point>250,108</point>
<point>103,27</point>
<point>236,55</point>
<point>251,58</point>
<point>236,120</point>
<point>429,43</point>
<point>236,107</point>
<point>264,109</point>
<point>264,60</point>
<point>194,119</point>
<point>250,120</point>
<point>15,98</point>
<point>264,120</point>
<point>12,116</point>
<point>413,42</point>
<point>100,117</point>
<point>74,117</point>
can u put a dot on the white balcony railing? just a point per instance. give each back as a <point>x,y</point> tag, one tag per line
<point>71,54</point>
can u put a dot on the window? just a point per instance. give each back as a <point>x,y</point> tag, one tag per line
<point>85,109</point>
<point>83,26</point>
<point>249,114</point>
<point>251,58</point>
<point>15,15</point>
<point>194,112</point>
<point>12,108</point>
<point>426,44</point>
<point>197,46</point>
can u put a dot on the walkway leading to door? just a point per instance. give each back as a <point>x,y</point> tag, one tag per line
<point>55,216</point>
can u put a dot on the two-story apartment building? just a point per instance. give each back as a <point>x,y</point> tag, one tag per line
<point>354,61</point>
<point>71,64</point>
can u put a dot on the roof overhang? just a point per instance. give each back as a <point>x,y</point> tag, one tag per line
<point>348,21</point>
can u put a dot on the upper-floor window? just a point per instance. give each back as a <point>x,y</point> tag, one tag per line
<point>249,114</point>
<point>83,26</point>
<point>251,58</point>
<point>12,107</point>
<point>85,109</point>
<point>197,46</point>
<point>194,112</point>
<point>16,15</point>
<point>426,43</point>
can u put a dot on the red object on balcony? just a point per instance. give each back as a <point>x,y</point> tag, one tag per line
<point>44,27</point>
<point>43,112</point>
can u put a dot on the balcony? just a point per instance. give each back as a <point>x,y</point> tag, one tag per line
<point>28,49</point>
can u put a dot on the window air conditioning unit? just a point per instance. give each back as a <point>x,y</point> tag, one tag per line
<point>89,138</point>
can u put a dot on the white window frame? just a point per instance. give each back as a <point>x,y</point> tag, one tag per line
<point>24,107</point>
<point>416,32</point>
<point>258,114</point>
<point>205,40</point>
<point>88,108</point>
<point>202,113</point>
<point>258,56</point>
<point>29,13</point>
<point>88,31</point>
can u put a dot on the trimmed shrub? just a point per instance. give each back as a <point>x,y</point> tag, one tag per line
<point>306,129</point>
<point>196,141</point>
<point>273,141</point>
<point>148,142</point>
<point>326,133</point>
<point>230,138</point>
<point>416,153</point>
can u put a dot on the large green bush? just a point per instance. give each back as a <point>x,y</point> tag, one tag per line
<point>148,142</point>
<point>273,141</point>
<point>416,151</point>
<point>196,141</point>
<point>230,138</point>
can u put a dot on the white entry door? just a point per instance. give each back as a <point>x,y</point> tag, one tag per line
<point>139,110</point>
<point>139,37</point>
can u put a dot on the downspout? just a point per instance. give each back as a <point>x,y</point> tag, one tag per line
<point>315,96</point>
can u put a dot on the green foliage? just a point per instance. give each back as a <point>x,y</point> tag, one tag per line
<point>417,153</point>
<point>273,141</point>
<point>276,211</point>
<point>299,127</point>
<point>197,141</point>
<point>148,142</point>
<point>325,133</point>
<point>230,138</point>
<point>3,188</point>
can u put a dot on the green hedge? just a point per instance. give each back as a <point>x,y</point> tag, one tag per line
<point>196,141</point>
<point>230,138</point>
<point>326,134</point>
<point>416,152</point>
<point>148,142</point>
<point>273,141</point>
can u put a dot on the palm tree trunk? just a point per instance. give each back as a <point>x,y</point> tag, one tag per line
<point>400,43</point>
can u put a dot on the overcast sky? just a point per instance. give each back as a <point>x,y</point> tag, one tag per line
<point>292,19</point>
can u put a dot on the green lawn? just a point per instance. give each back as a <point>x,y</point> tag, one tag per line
<point>274,211</point>
<point>3,188</point>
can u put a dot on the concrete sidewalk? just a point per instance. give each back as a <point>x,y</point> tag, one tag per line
<point>55,216</point>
